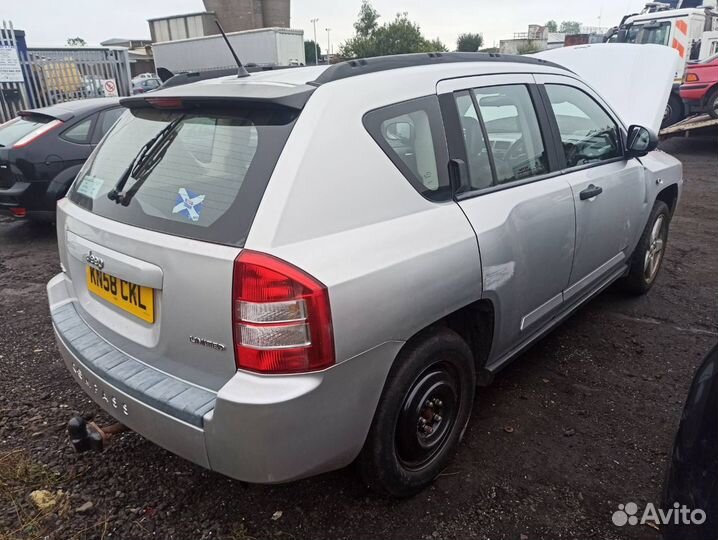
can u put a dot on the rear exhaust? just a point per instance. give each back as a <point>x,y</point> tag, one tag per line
<point>86,436</point>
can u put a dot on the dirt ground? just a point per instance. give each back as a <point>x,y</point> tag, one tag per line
<point>580,423</point>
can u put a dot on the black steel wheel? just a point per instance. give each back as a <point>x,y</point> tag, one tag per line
<point>422,414</point>
<point>427,415</point>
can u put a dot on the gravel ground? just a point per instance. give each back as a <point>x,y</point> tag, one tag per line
<point>580,423</point>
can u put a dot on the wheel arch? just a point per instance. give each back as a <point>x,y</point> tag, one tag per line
<point>59,185</point>
<point>669,195</point>
<point>709,93</point>
<point>475,324</point>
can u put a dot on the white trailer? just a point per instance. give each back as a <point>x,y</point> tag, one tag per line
<point>264,46</point>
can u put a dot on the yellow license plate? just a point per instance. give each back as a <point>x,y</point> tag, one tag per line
<point>134,299</point>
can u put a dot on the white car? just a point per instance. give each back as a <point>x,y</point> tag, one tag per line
<point>142,76</point>
<point>276,274</point>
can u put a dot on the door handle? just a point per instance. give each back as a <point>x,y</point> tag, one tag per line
<point>590,192</point>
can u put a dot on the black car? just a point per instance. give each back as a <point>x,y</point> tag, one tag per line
<point>42,150</point>
<point>692,478</point>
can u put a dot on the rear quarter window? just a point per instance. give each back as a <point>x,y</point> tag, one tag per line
<point>205,183</point>
<point>80,132</point>
<point>411,134</point>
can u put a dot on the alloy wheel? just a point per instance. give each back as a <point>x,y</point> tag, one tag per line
<point>654,253</point>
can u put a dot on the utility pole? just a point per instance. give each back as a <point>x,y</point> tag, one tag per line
<point>329,43</point>
<point>316,45</point>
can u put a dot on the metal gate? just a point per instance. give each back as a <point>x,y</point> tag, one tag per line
<point>54,75</point>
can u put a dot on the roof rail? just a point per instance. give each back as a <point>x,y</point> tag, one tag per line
<point>362,66</point>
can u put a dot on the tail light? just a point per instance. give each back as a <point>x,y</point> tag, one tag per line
<point>281,316</point>
<point>37,133</point>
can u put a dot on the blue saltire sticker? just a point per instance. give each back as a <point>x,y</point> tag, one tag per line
<point>188,204</point>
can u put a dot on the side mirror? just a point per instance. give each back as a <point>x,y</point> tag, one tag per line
<point>640,141</point>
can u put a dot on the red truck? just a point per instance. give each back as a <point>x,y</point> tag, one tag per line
<point>699,90</point>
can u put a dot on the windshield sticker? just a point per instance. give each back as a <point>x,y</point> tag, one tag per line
<point>188,204</point>
<point>90,186</point>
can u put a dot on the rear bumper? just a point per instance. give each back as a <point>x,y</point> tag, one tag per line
<point>263,429</point>
<point>29,195</point>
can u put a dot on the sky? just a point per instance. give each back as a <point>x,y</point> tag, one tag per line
<point>51,22</point>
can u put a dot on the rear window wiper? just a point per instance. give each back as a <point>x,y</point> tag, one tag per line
<point>143,170</point>
<point>116,193</point>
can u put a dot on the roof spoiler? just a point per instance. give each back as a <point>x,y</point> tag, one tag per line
<point>294,101</point>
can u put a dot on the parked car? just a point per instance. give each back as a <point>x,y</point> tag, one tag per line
<point>692,478</point>
<point>142,76</point>
<point>146,85</point>
<point>41,151</point>
<point>273,278</point>
<point>699,90</point>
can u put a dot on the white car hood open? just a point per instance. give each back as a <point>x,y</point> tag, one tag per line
<point>635,80</point>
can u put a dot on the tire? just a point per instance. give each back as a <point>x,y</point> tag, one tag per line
<point>712,103</point>
<point>674,111</point>
<point>644,266</point>
<point>430,387</point>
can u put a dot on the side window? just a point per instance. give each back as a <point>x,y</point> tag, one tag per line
<point>513,132</point>
<point>108,120</point>
<point>410,134</point>
<point>477,153</point>
<point>79,133</point>
<point>588,133</point>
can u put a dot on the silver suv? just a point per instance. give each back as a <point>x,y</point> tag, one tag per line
<point>273,278</point>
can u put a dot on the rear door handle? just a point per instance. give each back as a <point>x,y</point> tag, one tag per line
<point>590,192</point>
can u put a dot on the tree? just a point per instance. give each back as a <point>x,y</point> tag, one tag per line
<point>396,37</point>
<point>76,42</point>
<point>434,45</point>
<point>469,42</point>
<point>570,27</point>
<point>367,23</point>
<point>551,26</point>
<point>310,51</point>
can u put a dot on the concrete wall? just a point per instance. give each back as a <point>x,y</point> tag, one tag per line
<point>521,46</point>
<point>239,15</point>
<point>276,13</point>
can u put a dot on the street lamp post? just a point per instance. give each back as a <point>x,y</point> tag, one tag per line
<point>329,43</point>
<point>316,45</point>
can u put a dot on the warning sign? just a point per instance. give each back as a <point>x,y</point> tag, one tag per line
<point>109,86</point>
<point>10,70</point>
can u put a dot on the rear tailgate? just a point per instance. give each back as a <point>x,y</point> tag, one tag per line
<point>177,294</point>
<point>152,271</point>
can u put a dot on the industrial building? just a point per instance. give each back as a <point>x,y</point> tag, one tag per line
<point>238,15</point>
<point>233,15</point>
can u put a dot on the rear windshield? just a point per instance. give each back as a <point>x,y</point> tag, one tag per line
<point>207,181</point>
<point>17,128</point>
